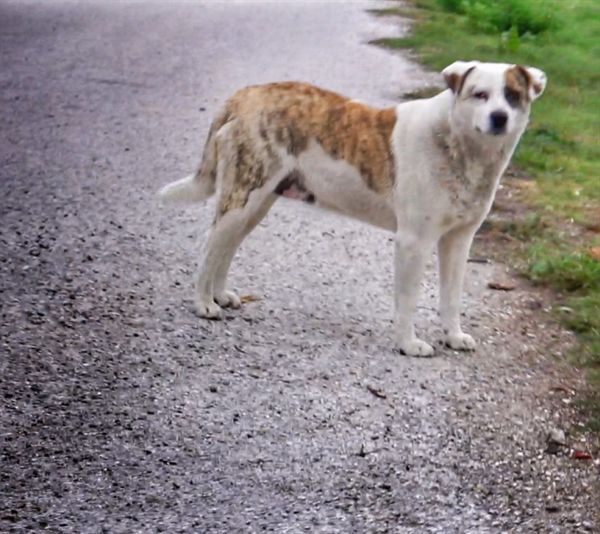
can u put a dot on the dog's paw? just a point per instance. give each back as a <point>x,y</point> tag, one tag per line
<point>228,299</point>
<point>460,341</point>
<point>209,310</point>
<point>415,347</point>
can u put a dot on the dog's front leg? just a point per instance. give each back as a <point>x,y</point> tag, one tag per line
<point>411,254</point>
<point>453,251</point>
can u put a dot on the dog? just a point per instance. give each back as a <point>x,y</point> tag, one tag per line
<point>426,170</point>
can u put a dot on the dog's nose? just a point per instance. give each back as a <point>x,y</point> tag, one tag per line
<point>499,120</point>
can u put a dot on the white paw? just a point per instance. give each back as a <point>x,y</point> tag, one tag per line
<point>228,299</point>
<point>415,347</point>
<point>209,309</point>
<point>460,341</point>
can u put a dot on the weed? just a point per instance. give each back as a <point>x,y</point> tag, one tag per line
<point>525,229</point>
<point>523,16</point>
<point>457,6</point>
<point>566,271</point>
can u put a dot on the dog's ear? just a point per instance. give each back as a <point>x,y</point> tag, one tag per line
<point>456,74</point>
<point>536,81</point>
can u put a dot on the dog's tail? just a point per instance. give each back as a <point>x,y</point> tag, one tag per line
<point>201,185</point>
<point>187,190</point>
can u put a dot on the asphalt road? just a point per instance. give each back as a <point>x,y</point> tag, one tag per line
<point>121,411</point>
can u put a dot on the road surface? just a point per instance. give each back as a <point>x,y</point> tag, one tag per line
<point>121,411</point>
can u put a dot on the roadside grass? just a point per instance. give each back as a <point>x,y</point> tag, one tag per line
<point>560,150</point>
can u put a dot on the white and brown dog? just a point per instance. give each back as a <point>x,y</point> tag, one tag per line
<point>426,170</point>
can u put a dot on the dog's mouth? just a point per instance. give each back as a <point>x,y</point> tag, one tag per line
<point>497,131</point>
<point>492,131</point>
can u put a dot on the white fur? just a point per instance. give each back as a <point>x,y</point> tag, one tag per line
<point>188,190</point>
<point>428,213</point>
<point>448,162</point>
<point>338,186</point>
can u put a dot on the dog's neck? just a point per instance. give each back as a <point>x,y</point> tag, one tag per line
<point>474,158</point>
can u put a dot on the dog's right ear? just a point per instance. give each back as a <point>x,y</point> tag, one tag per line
<point>456,74</point>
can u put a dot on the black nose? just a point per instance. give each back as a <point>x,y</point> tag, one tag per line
<point>499,120</point>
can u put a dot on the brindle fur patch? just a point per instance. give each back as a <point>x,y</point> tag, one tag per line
<point>456,82</point>
<point>516,86</point>
<point>463,79</point>
<point>249,170</point>
<point>452,81</point>
<point>291,114</point>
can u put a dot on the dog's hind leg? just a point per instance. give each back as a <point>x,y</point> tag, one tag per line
<point>220,241</point>
<point>227,233</point>
<point>254,214</point>
<point>245,198</point>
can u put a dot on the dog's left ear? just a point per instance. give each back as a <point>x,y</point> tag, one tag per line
<point>456,74</point>
<point>537,81</point>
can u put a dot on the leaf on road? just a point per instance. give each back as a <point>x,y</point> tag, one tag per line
<point>581,455</point>
<point>502,286</point>
<point>249,298</point>
<point>377,392</point>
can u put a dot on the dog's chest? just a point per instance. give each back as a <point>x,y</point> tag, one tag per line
<point>467,185</point>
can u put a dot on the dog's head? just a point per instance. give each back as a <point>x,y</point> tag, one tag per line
<point>492,98</point>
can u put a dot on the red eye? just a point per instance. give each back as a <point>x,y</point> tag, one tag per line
<point>480,95</point>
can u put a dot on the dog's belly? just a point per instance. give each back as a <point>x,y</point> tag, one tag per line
<point>336,185</point>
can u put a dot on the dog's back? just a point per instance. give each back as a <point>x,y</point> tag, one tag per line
<point>263,128</point>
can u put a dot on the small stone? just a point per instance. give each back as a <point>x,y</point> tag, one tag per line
<point>555,441</point>
<point>556,435</point>
<point>136,321</point>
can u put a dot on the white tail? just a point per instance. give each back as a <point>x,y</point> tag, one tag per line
<point>187,190</point>
<point>199,186</point>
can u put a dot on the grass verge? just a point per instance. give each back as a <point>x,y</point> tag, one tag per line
<point>559,242</point>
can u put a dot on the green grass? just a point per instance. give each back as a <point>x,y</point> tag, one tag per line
<point>561,148</point>
<point>576,275</point>
<point>562,144</point>
<point>564,270</point>
<point>526,17</point>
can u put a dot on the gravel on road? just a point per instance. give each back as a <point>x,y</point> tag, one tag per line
<point>121,411</point>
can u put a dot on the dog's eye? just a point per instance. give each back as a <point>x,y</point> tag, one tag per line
<point>480,95</point>
<point>512,97</point>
